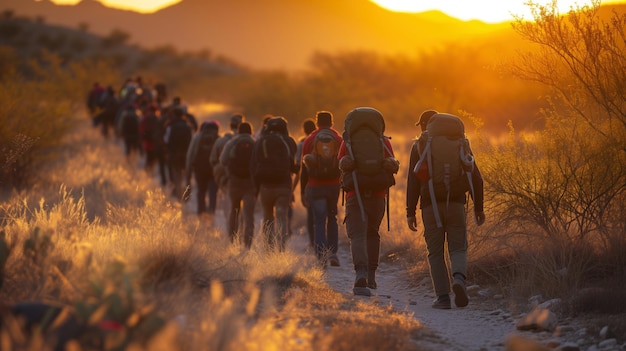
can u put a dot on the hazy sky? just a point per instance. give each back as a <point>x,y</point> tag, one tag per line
<point>485,10</point>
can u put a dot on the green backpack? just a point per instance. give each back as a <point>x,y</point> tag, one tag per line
<point>446,161</point>
<point>364,138</point>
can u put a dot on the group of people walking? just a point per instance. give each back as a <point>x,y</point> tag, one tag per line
<point>268,166</point>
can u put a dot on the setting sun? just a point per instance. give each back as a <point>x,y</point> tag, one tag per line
<point>484,10</point>
<point>490,11</point>
<point>144,6</point>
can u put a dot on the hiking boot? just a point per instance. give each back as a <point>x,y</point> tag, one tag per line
<point>371,279</point>
<point>442,302</point>
<point>334,261</point>
<point>361,291</point>
<point>360,282</point>
<point>460,292</point>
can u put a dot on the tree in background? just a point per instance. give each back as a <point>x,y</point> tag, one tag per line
<point>582,57</point>
<point>563,189</point>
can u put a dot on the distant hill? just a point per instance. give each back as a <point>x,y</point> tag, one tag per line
<point>268,33</point>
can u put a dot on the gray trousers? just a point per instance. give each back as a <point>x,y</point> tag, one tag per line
<point>454,234</point>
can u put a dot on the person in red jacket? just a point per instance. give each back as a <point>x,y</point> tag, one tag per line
<point>320,150</point>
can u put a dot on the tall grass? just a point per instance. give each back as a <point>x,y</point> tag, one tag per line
<point>100,237</point>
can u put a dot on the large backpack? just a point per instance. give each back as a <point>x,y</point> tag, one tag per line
<point>202,162</point>
<point>364,138</point>
<point>365,142</point>
<point>130,123</point>
<point>152,129</point>
<point>274,157</point>
<point>180,137</point>
<point>322,162</point>
<point>240,155</point>
<point>446,161</point>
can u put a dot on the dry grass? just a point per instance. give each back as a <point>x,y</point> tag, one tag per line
<point>99,237</point>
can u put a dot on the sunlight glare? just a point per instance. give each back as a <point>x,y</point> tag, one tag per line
<point>144,6</point>
<point>484,10</point>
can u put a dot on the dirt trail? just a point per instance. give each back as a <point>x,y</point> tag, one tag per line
<point>469,329</point>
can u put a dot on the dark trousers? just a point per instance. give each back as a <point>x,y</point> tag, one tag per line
<point>206,186</point>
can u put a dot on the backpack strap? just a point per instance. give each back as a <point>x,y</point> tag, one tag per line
<point>431,185</point>
<point>388,219</point>
<point>468,165</point>
<point>382,140</point>
<point>356,183</point>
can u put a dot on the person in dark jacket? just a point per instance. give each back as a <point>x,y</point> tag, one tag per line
<point>302,178</point>
<point>198,163</point>
<point>235,157</point>
<point>273,166</point>
<point>177,138</point>
<point>453,232</point>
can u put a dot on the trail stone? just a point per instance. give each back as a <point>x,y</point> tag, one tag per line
<point>540,319</point>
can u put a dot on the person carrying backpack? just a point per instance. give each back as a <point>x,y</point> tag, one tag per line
<point>236,158</point>
<point>150,131</point>
<point>441,171</point>
<point>219,172</point>
<point>198,163</point>
<point>177,138</point>
<point>272,167</point>
<point>367,167</point>
<point>320,151</point>
<point>302,178</point>
<point>129,128</point>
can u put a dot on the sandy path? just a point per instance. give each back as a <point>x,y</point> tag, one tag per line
<point>473,328</point>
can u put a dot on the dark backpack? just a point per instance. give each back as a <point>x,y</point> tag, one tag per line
<point>130,124</point>
<point>274,159</point>
<point>365,143</point>
<point>180,137</point>
<point>239,158</point>
<point>446,161</point>
<point>322,162</point>
<point>202,161</point>
<point>152,129</point>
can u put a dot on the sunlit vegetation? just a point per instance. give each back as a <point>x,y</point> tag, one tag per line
<point>561,190</point>
<point>39,105</point>
<point>111,245</point>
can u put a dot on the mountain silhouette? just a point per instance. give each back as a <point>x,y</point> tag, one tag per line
<point>269,34</point>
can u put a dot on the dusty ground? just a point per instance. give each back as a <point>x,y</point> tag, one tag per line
<point>471,328</point>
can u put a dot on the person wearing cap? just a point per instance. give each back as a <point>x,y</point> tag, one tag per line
<point>454,230</point>
<point>322,195</point>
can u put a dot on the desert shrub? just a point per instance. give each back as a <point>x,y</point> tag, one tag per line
<point>117,37</point>
<point>558,194</point>
<point>39,107</point>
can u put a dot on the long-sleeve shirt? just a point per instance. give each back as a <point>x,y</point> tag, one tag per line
<point>417,191</point>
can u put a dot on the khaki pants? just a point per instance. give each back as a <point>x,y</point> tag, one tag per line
<point>275,226</point>
<point>241,191</point>
<point>363,234</point>
<point>454,233</point>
